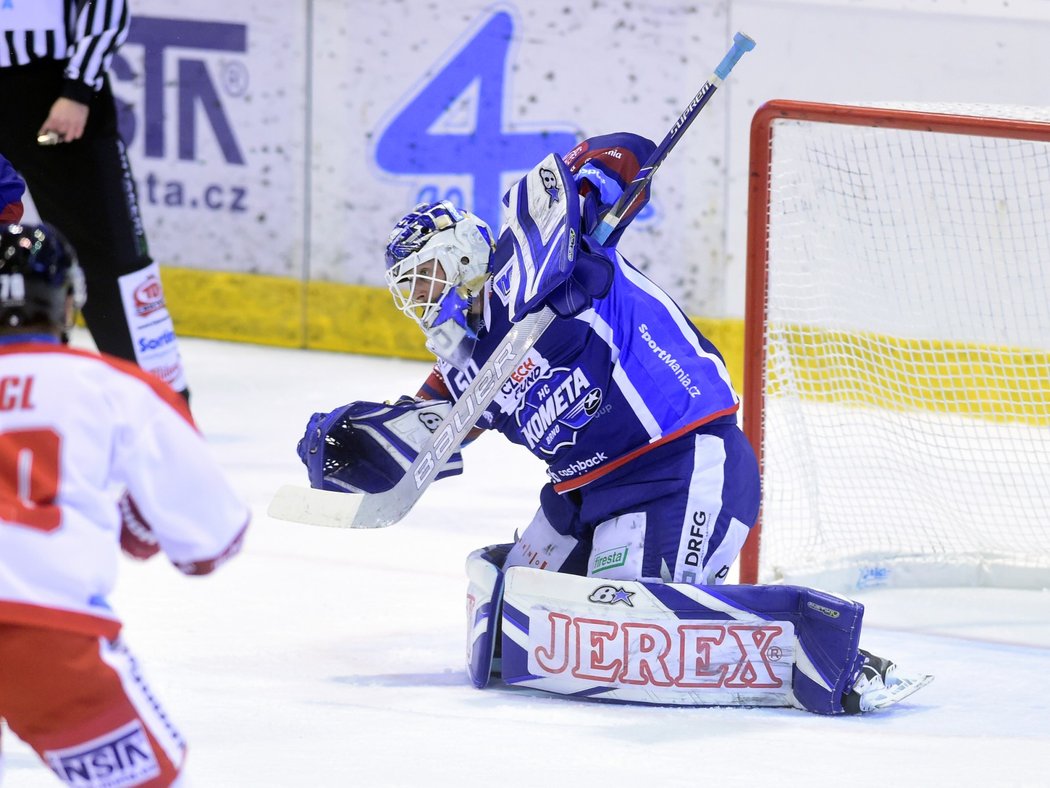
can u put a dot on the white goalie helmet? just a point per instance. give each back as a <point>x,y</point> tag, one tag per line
<point>437,261</point>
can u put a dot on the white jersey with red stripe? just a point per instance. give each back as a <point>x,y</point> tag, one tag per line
<point>77,430</point>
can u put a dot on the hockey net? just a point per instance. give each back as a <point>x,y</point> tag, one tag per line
<point>897,386</point>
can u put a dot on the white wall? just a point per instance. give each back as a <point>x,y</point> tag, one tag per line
<point>218,97</point>
<point>286,139</point>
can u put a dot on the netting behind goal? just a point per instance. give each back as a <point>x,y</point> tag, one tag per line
<point>898,345</point>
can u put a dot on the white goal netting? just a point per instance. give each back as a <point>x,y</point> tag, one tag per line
<point>906,397</point>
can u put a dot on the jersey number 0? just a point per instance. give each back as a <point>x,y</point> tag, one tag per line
<point>29,469</point>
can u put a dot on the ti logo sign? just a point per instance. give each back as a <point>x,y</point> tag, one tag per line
<point>486,150</point>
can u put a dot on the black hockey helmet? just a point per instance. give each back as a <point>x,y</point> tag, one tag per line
<point>38,272</point>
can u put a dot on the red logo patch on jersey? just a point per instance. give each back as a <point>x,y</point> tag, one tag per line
<point>149,296</point>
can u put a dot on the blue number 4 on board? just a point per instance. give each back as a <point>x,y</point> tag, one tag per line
<point>409,145</point>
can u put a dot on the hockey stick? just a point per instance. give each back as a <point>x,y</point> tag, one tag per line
<point>377,510</point>
<point>741,44</point>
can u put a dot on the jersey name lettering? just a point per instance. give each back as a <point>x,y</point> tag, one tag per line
<point>16,392</point>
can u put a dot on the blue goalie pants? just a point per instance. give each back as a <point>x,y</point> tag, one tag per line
<point>678,513</point>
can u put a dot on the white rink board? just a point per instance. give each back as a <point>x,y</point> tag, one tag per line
<point>330,150</point>
<point>216,98</point>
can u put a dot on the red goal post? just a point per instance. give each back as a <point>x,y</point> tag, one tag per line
<point>897,345</point>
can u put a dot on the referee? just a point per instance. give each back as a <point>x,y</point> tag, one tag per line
<point>58,128</point>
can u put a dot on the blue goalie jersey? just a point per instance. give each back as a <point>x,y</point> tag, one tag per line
<point>601,388</point>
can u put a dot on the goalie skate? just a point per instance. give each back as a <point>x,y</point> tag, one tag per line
<point>881,683</point>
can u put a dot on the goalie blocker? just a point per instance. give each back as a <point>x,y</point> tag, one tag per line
<point>671,643</point>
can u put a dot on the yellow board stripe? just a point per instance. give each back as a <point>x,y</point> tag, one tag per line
<point>981,381</point>
<point>967,379</point>
<point>272,310</point>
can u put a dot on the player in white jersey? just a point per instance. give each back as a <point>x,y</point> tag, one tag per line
<point>95,455</point>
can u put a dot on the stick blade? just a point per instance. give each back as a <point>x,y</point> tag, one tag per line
<point>315,507</point>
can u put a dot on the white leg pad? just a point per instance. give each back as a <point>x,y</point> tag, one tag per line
<point>676,643</point>
<point>484,592</point>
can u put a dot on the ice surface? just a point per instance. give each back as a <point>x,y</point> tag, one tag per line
<point>335,658</point>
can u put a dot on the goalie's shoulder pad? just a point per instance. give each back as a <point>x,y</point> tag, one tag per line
<point>366,447</point>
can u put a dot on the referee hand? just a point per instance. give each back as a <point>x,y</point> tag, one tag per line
<point>66,119</point>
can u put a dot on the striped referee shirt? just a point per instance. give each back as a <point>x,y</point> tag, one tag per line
<point>83,34</point>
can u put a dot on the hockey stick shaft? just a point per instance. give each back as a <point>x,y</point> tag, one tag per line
<point>741,44</point>
<point>377,510</point>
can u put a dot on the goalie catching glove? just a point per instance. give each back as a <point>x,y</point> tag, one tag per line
<point>366,447</point>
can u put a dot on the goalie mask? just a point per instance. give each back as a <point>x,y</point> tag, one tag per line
<point>38,274</point>
<point>437,262</point>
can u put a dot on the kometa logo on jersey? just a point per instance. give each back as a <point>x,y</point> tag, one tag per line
<point>555,408</point>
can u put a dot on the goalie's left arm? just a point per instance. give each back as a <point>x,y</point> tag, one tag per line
<point>366,447</point>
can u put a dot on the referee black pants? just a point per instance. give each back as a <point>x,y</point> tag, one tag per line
<point>84,188</point>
